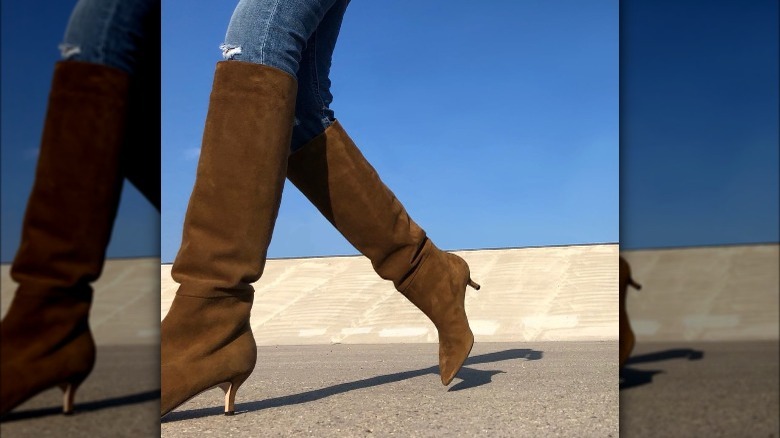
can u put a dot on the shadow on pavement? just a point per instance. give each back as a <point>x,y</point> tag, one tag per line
<point>141,397</point>
<point>632,377</point>
<point>471,378</point>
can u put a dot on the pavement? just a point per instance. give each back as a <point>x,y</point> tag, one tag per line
<point>563,389</point>
<point>690,389</point>
<point>505,389</point>
<point>671,389</point>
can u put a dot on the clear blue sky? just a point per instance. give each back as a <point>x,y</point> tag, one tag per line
<point>699,122</point>
<point>496,126</point>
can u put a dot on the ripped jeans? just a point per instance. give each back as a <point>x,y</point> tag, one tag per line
<point>295,36</point>
<point>123,34</point>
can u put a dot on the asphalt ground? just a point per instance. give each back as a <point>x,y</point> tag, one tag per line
<point>701,389</point>
<point>671,389</point>
<point>505,389</point>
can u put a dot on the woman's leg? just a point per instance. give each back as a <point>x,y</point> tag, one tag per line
<point>332,173</point>
<point>312,107</point>
<point>125,35</point>
<point>206,338</point>
<point>330,170</point>
<point>70,212</point>
<point>273,32</point>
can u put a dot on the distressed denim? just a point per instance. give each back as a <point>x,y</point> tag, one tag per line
<point>123,34</point>
<point>295,36</point>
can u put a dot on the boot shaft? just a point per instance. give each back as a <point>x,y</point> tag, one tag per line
<point>73,203</point>
<point>239,182</point>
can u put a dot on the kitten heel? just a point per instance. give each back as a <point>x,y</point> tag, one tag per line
<point>231,388</point>
<point>68,395</point>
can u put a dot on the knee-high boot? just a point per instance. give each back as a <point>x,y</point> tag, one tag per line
<point>46,340</point>
<point>333,174</point>
<point>206,338</point>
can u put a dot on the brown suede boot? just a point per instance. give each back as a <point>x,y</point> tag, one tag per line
<point>627,338</point>
<point>46,340</point>
<point>333,174</point>
<point>206,338</point>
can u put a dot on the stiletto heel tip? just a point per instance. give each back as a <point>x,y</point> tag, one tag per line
<point>68,394</point>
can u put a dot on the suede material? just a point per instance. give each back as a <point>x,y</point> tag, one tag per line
<point>73,203</point>
<point>46,343</point>
<point>332,173</point>
<point>438,289</point>
<point>627,338</point>
<point>239,182</point>
<point>206,338</point>
<point>206,341</point>
<point>46,339</point>
<point>335,176</point>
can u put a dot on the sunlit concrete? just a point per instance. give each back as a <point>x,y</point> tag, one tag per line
<point>528,294</point>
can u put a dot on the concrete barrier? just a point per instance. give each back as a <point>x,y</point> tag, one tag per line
<point>126,301</point>
<point>719,293</point>
<point>564,293</point>
<point>528,294</point>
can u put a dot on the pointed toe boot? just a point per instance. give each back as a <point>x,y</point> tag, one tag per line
<point>46,340</point>
<point>206,337</point>
<point>332,173</point>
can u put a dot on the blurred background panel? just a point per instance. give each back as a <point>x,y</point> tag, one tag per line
<point>699,216</point>
<point>31,31</point>
<point>120,397</point>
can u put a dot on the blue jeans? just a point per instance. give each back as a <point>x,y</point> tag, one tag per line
<point>295,36</point>
<point>125,34</point>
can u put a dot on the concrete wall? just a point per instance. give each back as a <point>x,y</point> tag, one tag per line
<point>126,301</point>
<point>554,293</point>
<point>724,293</point>
<point>528,294</point>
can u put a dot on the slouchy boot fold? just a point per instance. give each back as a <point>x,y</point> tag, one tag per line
<point>332,173</point>
<point>206,338</point>
<point>46,340</point>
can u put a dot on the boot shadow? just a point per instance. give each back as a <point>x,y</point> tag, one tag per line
<point>471,378</point>
<point>141,397</point>
<point>632,377</point>
<point>676,353</point>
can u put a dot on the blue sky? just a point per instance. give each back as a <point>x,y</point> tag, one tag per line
<point>699,122</point>
<point>495,127</point>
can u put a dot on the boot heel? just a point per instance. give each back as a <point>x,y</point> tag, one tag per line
<point>231,388</point>
<point>473,284</point>
<point>68,395</point>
